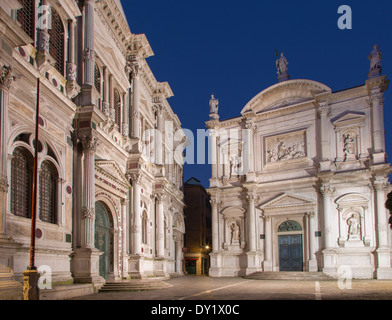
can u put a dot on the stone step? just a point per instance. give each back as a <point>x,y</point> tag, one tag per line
<point>134,285</point>
<point>289,275</point>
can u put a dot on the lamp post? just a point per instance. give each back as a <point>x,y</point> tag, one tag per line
<point>31,275</point>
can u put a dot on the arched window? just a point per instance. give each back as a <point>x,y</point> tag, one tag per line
<point>144,227</point>
<point>22,165</point>
<point>56,41</point>
<point>26,17</point>
<point>48,177</point>
<point>289,225</point>
<point>117,109</point>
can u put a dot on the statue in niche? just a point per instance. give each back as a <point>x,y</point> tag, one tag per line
<point>235,233</point>
<point>354,226</point>
<point>388,205</point>
<point>234,166</point>
<point>349,146</point>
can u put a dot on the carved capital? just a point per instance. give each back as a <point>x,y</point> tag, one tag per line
<point>251,198</point>
<point>89,143</point>
<point>380,184</point>
<point>324,109</point>
<point>43,40</point>
<point>378,98</point>
<point>327,190</point>
<point>6,77</point>
<point>88,54</point>
<point>135,115</point>
<point>160,197</point>
<point>71,71</point>
<point>135,177</point>
<point>4,184</point>
<point>88,213</point>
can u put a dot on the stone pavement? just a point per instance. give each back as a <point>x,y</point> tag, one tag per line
<point>206,288</point>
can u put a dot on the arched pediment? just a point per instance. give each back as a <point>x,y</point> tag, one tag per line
<point>352,200</point>
<point>233,211</point>
<point>284,94</point>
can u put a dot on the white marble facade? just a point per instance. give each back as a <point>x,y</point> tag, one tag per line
<point>302,162</point>
<point>98,98</point>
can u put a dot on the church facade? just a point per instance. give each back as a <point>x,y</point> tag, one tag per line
<point>300,179</point>
<point>110,201</point>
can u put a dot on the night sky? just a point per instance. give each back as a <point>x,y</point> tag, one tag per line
<point>227,48</point>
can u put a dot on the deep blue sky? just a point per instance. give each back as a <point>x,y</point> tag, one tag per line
<point>228,47</point>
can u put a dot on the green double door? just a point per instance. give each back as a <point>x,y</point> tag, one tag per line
<point>290,253</point>
<point>103,239</point>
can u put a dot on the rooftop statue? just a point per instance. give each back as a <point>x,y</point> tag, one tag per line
<point>375,58</point>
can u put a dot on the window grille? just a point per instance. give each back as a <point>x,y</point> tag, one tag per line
<point>117,109</point>
<point>26,17</point>
<point>22,166</point>
<point>47,192</point>
<point>56,41</point>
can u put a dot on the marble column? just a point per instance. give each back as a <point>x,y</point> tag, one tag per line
<point>88,204</point>
<point>378,121</point>
<point>72,87</point>
<point>215,225</point>
<point>136,226</point>
<point>124,242</point>
<point>9,287</point>
<point>328,191</point>
<point>159,149</point>
<point>383,251</point>
<point>89,53</point>
<point>251,223</point>
<point>249,151</point>
<point>267,264</point>
<point>105,98</point>
<point>112,112</point>
<point>324,111</point>
<point>43,58</point>
<point>214,158</point>
<point>312,262</point>
<point>161,231</point>
<point>135,103</point>
<point>125,109</point>
<point>6,80</point>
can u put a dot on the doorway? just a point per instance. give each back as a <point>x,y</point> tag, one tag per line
<point>290,252</point>
<point>103,239</point>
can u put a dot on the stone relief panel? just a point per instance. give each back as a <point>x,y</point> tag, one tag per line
<point>286,147</point>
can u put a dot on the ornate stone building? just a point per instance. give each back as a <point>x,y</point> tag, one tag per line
<point>300,179</point>
<point>110,202</point>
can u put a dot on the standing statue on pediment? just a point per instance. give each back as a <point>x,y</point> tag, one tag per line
<point>281,65</point>
<point>214,106</point>
<point>375,58</point>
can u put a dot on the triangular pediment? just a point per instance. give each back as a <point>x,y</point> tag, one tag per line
<point>348,118</point>
<point>286,200</point>
<point>110,169</point>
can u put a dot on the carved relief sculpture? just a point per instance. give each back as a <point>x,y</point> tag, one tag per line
<point>286,147</point>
